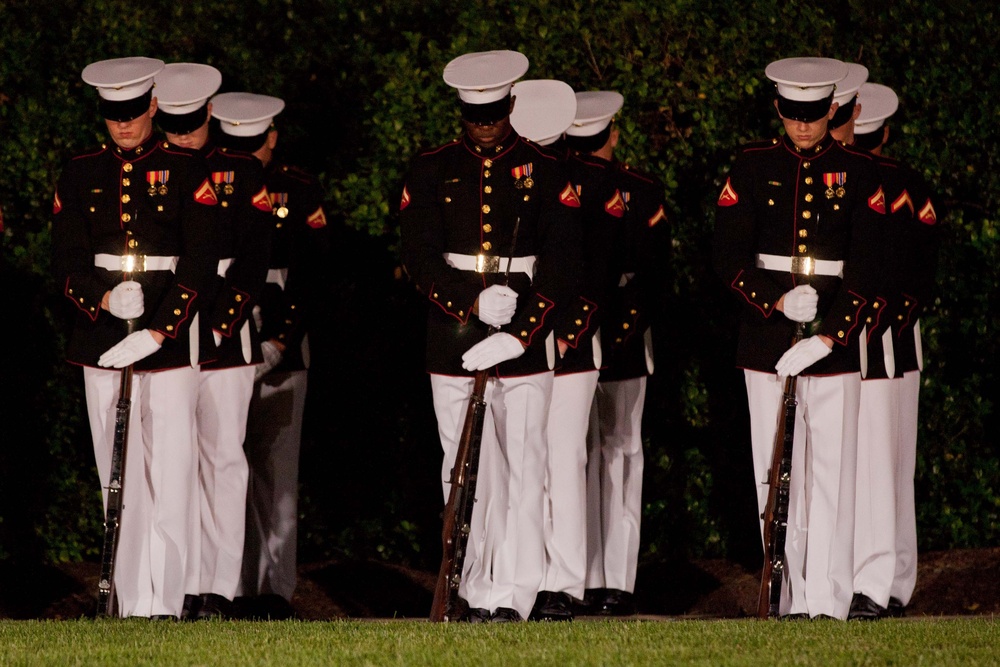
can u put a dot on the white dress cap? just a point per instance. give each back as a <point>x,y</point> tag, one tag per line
<point>543,109</point>
<point>485,76</point>
<point>594,111</point>
<point>185,87</point>
<point>806,79</point>
<point>848,87</point>
<point>122,79</point>
<point>245,114</point>
<point>877,102</point>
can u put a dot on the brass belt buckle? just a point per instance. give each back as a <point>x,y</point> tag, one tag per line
<point>803,265</point>
<point>487,264</point>
<point>133,263</point>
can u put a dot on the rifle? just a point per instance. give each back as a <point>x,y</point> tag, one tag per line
<point>776,510</point>
<point>462,497</point>
<point>116,486</point>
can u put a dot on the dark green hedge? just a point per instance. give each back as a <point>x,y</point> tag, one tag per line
<point>364,92</point>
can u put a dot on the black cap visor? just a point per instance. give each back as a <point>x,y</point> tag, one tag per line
<point>486,114</point>
<point>844,113</point>
<point>806,112</point>
<point>182,123</point>
<point>245,144</point>
<point>588,144</point>
<point>125,110</point>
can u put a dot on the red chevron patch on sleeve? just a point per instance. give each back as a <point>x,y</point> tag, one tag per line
<point>877,201</point>
<point>658,217</point>
<point>616,205</point>
<point>901,201</point>
<point>927,214</point>
<point>568,197</point>
<point>317,219</point>
<point>728,196</point>
<point>56,204</point>
<point>405,199</point>
<point>205,194</point>
<point>262,200</point>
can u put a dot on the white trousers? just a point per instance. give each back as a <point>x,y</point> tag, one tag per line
<point>274,436</point>
<point>220,491</point>
<point>875,505</point>
<point>160,457</point>
<point>566,483</point>
<point>614,484</point>
<point>905,574</point>
<point>819,547</point>
<point>506,552</point>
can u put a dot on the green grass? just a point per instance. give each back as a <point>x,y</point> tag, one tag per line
<point>115,643</point>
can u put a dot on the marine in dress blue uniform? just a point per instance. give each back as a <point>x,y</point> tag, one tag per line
<point>798,238</point>
<point>458,213</point>
<point>138,204</point>
<point>629,295</point>
<point>274,430</point>
<point>885,545</point>
<point>229,343</point>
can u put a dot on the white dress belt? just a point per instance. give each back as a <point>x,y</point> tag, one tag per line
<point>491,263</point>
<point>134,263</point>
<point>806,266</point>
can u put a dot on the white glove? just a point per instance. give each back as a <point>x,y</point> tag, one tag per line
<point>125,301</point>
<point>217,337</point>
<point>801,356</point>
<point>800,304</point>
<point>132,348</point>
<point>272,357</point>
<point>490,351</point>
<point>497,304</point>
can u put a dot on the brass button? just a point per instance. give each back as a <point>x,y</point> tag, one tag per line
<point>527,197</point>
<point>809,180</point>
<point>541,304</point>
<point>836,207</point>
<point>232,311</point>
<point>753,295</point>
<point>524,334</point>
<point>184,296</point>
<point>806,164</point>
<point>570,337</point>
<point>578,322</point>
<point>532,319</point>
<point>487,228</point>
<point>487,245</point>
<point>802,247</point>
<point>840,334</point>
<point>277,225</point>
<point>487,163</point>
<point>126,182</point>
<point>486,208</point>
<point>807,214</point>
<point>239,297</point>
<point>447,200</point>
<point>177,311</point>
<point>874,305</point>
<point>170,327</point>
<point>625,325</point>
<point>127,167</point>
<point>126,199</point>
<point>92,209</point>
<point>447,304</point>
<point>741,283</point>
<point>132,243</point>
<point>486,173</point>
<point>770,202</point>
<point>808,196</point>
<point>224,204</point>
<point>586,308</point>
<point>126,217</point>
<point>803,233</point>
<point>223,326</point>
<point>847,318</point>
<point>766,306</point>
<point>488,189</point>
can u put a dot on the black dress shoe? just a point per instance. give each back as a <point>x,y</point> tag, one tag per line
<point>616,603</point>
<point>794,617</point>
<point>591,601</point>
<point>163,617</point>
<point>214,606</point>
<point>192,603</point>
<point>476,615</point>
<point>895,609</point>
<point>505,615</point>
<point>551,606</point>
<point>863,608</point>
<point>824,617</point>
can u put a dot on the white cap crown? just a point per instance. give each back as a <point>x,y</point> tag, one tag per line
<point>485,76</point>
<point>543,109</point>
<point>245,114</point>
<point>122,79</point>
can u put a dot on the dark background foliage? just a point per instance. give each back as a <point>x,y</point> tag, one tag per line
<point>363,86</point>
